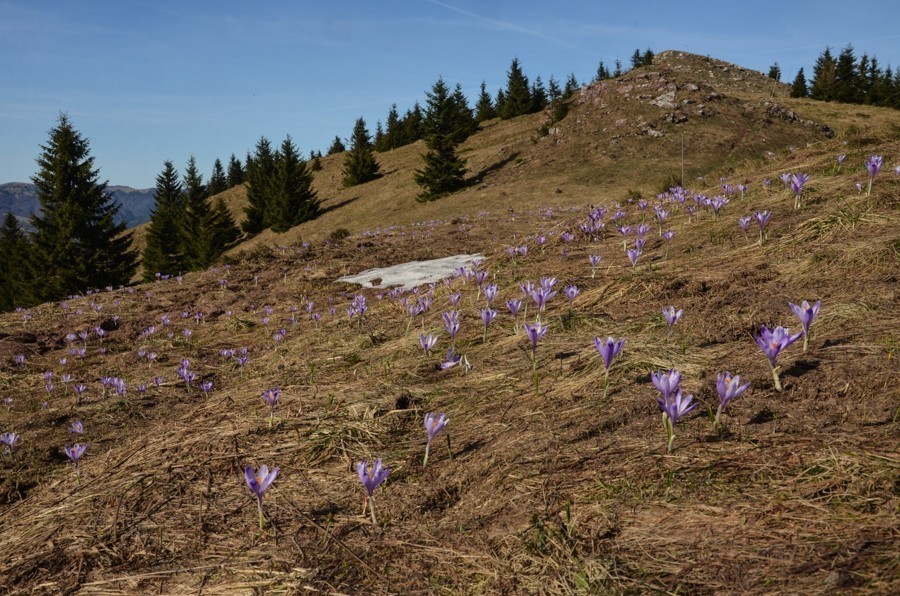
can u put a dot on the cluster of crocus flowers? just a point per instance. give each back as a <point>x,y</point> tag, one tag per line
<point>434,424</point>
<point>729,388</point>
<point>9,440</point>
<point>773,342</point>
<point>371,479</point>
<point>609,349</point>
<point>673,403</point>
<point>259,483</point>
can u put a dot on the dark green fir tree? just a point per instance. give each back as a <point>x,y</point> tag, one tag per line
<point>236,172</point>
<point>164,252</point>
<point>77,242</point>
<point>15,291</point>
<point>218,181</point>
<point>260,170</point>
<point>798,88</point>
<point>195,217</point>
<point>444,171</point>
<point>822,86</point>
<point>484,107</point>
<point>517,98</point>
<point>359,163</point>
<point>337,146</point>
<point>293,199</point>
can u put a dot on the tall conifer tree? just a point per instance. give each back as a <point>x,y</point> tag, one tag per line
<point>359,163</point>
<point>15,291</point>
<point>517,99</point>
<point>77,241</point>
<point>260,169</point>
<point>484,107</point>
<point>195,218</point>
<point>293,199</point>
<point>798,88</point>
<point>235,172</point>
<point>444,171</point>
<point>164,252</point>
<point>218,181</point>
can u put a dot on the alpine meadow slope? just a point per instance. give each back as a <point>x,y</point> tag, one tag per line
<point>537,483</point>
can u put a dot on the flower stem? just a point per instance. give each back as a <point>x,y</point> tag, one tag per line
<point>805,342</point>
<point>670,432</point>
<point>427,447</point>
<point>718,415</point>
<point>534,371</point>
<point>261,517</point>
<point>605,384</point>
<point>372,509</point>
<point>775,377</point>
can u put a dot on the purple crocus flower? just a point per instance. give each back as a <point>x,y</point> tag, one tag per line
<point>371,479</point>
<point>433,425</point>
<point>259,484</point>
<point>744,223</point>
<point>534,333</point>
<point>773,342</point>
<point>571,292</point>
<point>840,160</point>
<point>9,439</point>
<point>873,165</point>
<point>270,396</point>
<point>427,342</point>
<point>729,388</point>
<point>451,324</point>
<point>762,218</point>
<point>490,292</point>
<point>806,314</point>
<point>77,428</point>
<point>74,453</point>
<point>666,382</point>
<point>594,260</point>
<point>206,387</point>
<point>487,317</point>
<point>609,349</point>
<point>798,181</point>
<point>671,315</point>
<point>674,408</point>
<point>455,298</point>
<point>451,359</point>
<point>633,254</point>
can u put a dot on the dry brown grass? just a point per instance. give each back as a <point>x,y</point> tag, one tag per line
<point>557,493</point>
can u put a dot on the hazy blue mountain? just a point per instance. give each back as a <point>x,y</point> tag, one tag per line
<point>21,199</point>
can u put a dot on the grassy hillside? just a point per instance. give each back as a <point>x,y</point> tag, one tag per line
<point>555,491</point>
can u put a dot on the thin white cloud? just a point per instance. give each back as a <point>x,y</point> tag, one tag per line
<point>506,25</point>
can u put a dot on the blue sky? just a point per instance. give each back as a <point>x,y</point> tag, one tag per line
<point>150,80</point>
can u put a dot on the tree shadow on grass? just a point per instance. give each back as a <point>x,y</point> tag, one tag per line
<point>480,176</point>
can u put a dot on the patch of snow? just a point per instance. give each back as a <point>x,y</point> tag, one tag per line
<point>412,274</point>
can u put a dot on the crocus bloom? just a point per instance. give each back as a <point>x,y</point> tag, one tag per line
<point>797,182</point>
<point>259,484</point>
<point>427,342</point>
<point>744,222</point>
<point>773,343</point>
<point>270,396</point>
<point>9,439</point>
<point>633,254</point>
<point>206,387</point>
<point>75,452</point>
<point>451,324</point>
<point>595,262</point>
<point>674,408</point>
<point>672,317</point>
<point>433,425</point>
<point>371,479</point>
<point>451,359</point>
<point>571,292</point>
<point>666,382</point>
<point>608,349</point>
<point>729,388</point>
<point>535,333</point>
<point>487,316</point>
<point>840,159</point>
<point>873,164</point>
<point>762,218</point>
<point>806,314</point>
<point>77,427</point>
<point>490,292</point>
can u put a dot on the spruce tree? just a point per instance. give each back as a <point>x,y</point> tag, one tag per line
<point>444,171</point>
<point>845,81</point>
<point>219,232</point>
<point>412,126</point>
<point>293,199</point>
<point>602,72</point>
<point>517,98</point>
<point>164,252</point>
<point>77,242</point>
<point>378,141</point>
<point>15,290</point>
<point>499,101</point>
<point>618,71</point>
<point>337,146</point>
<point>259,174</point>
<point>359,162</point>
<point>647,58</point>
<point>539,99</point>
<point>637,59</point>
<point>465,124</point>
<point>195,218</point>
<point>823,77</point>
<point>235,172</point>
<point>798,88</point>
<point>392,133</point>
<point>484,107</point>
<point>571,86</point>
<point>218,182</point>
<point>775,72</point>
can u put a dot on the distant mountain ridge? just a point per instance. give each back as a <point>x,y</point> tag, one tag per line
<point>20,198</point>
